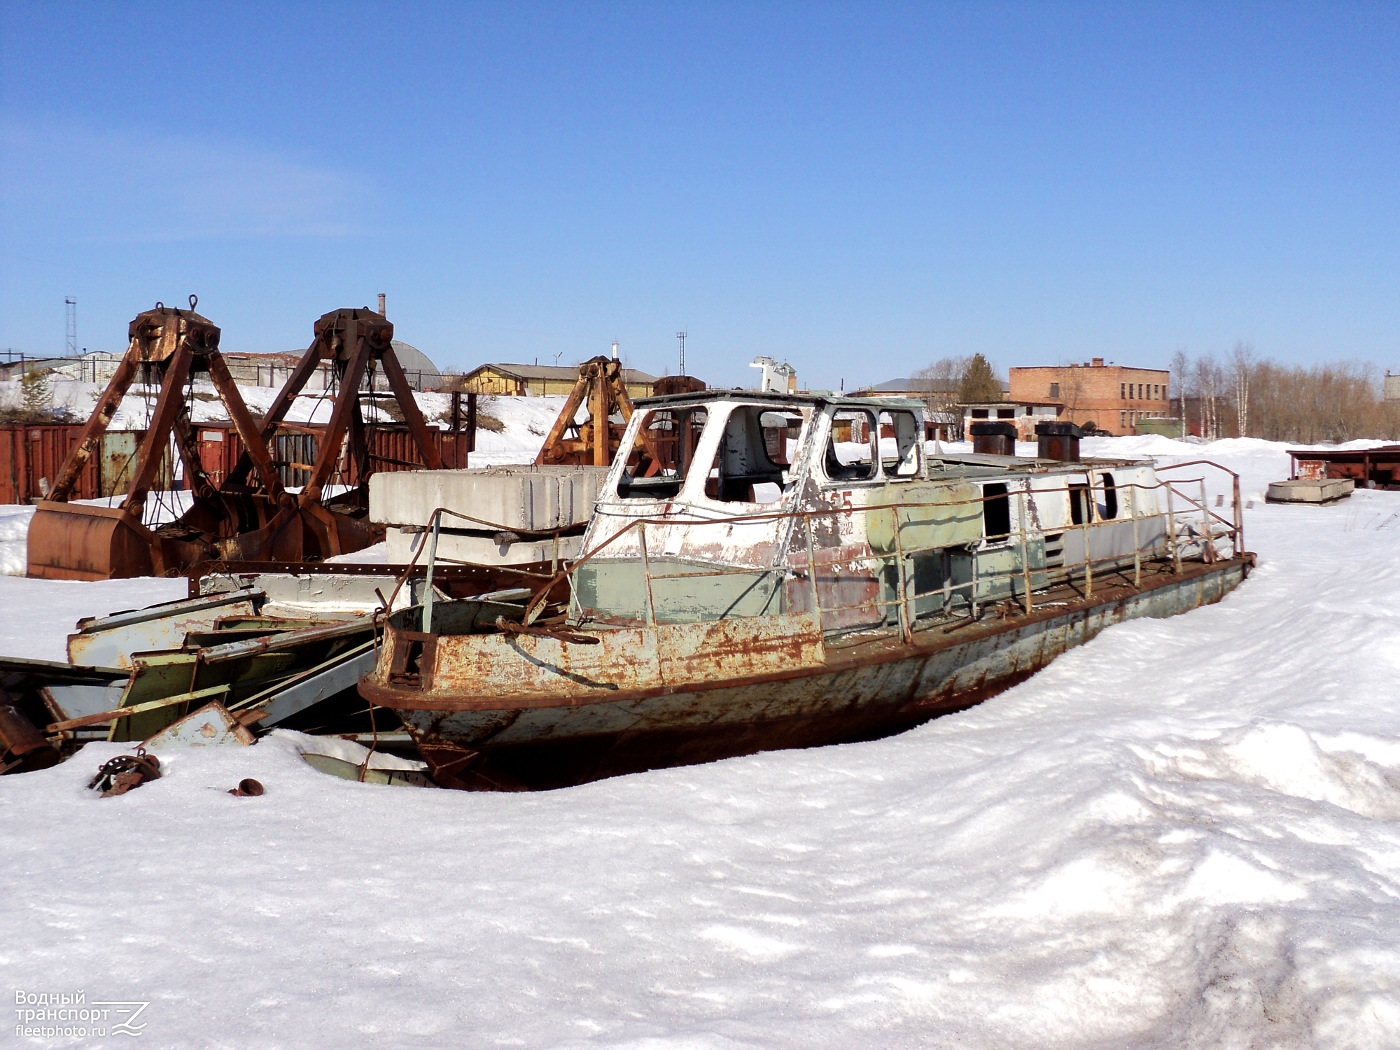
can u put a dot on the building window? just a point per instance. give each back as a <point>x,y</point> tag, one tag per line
<point>1122,419</point>
<point>979,413</point>
<point>1123,391</point>
<point>1055,390</point>
<point>1006,413</point>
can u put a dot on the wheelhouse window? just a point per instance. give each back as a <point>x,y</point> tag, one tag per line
<point>900,448</point>
<point>663,452</point>
<point>852,447</point>
<point>754,453</point>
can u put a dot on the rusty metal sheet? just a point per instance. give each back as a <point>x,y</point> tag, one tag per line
<point>115,464</point>
<point>744,648</point>
<point>73,541</point>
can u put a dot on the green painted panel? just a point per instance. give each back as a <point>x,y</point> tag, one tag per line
<point>946,514</point>
<point>617,590</point>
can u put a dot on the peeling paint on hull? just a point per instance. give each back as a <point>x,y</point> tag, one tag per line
<point>533,716</point>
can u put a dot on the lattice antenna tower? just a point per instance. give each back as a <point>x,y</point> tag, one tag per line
<point>70,310</point>
<point>680,338</point>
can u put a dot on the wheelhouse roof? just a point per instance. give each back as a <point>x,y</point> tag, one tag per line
<point>778,400</point>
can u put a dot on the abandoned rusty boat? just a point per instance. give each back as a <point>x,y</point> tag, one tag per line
<point>775,571</point>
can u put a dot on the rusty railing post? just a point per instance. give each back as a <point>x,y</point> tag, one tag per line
<point>646,574</point>
<point>1137,543</point>
<point>1171,524</point>
<point>428,574</point>
<point>906,624</point>
<point>1025,544</point>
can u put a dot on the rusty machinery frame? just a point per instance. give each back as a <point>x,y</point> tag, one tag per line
<point>593,442</point>
<point>251,515</point>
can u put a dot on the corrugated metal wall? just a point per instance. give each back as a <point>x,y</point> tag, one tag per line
<point>31,455</point>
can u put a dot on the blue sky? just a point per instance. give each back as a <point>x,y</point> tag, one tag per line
<point>856,188</point>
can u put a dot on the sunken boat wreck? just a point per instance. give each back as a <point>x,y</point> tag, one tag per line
<point>775,571</point>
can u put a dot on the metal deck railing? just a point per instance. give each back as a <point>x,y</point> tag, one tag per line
<point>1191,530</point>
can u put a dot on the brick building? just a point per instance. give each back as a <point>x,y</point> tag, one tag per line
<point>1112,397</point>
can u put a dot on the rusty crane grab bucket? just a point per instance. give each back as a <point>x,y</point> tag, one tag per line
<point>250,516</point>
<point>69,541</point>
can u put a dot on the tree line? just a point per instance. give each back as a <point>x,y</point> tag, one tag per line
<point>1235,395</point>
<point>1243,395</point>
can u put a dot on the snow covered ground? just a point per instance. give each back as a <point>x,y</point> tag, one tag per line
<point>1183,834</point>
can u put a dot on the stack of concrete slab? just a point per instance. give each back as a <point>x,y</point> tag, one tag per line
<point>1310,490</point>
<point>516,514</point>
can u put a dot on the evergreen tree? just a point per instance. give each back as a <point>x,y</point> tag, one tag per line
<point>979,383</point>
<point>36,396</point>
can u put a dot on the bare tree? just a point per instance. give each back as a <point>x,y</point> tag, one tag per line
<point>1209,381</point>
<point>1241,361</point>
<point>938,385</point>
<point>1180,377</point>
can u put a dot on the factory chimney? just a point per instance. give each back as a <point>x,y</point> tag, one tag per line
<point>381,304</point>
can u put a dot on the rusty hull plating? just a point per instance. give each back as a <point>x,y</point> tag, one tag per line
<point>769,571</point>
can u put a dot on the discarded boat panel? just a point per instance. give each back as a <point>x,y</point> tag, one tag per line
<point>109,641</point>
<point>393,776</point>
<point>209,726</point>
<point>768,571</point>
<point>1315,491</point>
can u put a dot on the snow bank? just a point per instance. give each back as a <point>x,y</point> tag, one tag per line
<point>1183,834</point>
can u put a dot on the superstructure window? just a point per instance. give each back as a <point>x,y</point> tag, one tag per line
<point>1078,503</point>
<point>996,512</point>
<point>1109,507</point>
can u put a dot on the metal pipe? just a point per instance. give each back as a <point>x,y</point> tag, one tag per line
<point>428,574</point>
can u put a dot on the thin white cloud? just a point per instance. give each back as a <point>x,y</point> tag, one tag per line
<point>74,183</point>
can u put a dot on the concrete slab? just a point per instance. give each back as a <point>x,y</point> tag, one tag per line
<point>1315,491</point>
<point>530,498</point>
<point>478,548</point>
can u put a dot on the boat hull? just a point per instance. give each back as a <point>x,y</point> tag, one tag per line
<point>530,712</point>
